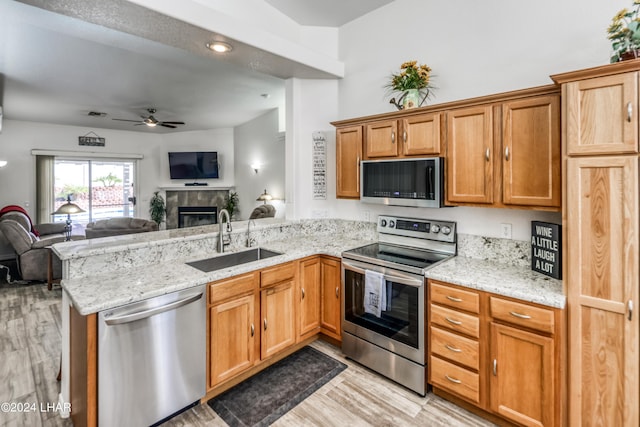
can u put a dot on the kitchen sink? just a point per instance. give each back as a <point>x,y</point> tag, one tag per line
<point>232,259</point>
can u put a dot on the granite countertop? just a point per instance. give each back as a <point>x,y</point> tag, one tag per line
<point>103,292</point>
<point>511,281</point>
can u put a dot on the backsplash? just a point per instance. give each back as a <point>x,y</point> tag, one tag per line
<point>503,251</point>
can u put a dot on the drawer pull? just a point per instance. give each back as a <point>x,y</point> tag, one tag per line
<point>455,350</point>
<point>453,322</point>
<point>453,380</point>
<point>454,299</point>
<point>393,137</point>
<point>519,316</point>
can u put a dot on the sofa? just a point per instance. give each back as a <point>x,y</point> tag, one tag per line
<point>263,211</point>
<point>118,226</point>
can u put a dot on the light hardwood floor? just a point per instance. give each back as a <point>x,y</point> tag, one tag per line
<point>30,354</point>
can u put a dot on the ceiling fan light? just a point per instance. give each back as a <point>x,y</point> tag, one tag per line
<point>150,124</point>
<point>220,47</point>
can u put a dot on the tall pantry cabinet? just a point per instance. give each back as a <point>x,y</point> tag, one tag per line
<point>601,242</point>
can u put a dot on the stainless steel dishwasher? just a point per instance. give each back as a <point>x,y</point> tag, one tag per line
<point>151,358</point>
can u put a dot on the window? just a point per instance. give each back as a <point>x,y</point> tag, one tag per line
<point>103,188</point>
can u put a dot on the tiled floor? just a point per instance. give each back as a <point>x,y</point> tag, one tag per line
<point>30,354</point>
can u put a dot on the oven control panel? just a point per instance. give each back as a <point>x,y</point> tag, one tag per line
<point>415,227</point>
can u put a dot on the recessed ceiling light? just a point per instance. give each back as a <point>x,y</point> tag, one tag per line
<point>220,47</point>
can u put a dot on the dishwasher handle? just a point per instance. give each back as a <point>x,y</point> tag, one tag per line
<point>132,317</point>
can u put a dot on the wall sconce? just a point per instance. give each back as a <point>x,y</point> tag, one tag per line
<point>255,167</point>
<point>3,163</point>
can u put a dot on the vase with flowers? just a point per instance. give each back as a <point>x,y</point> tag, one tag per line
<point>624,33</point>
<point>413,83</point>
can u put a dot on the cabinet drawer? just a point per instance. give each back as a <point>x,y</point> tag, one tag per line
<point>228,288</point>
<point>277,274</point>
<point>521,314</point>
<point>455,379</point>
<point>455,347</point>
<point>455,320</point>
<point>454,297</point>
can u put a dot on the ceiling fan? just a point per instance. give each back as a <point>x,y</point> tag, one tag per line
<point>152,121</point>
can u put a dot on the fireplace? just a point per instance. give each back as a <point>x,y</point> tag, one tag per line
<point>201,199</point>
<point>193,216</point>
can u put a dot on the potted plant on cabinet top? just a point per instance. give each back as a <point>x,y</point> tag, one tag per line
<point>413,82</point>
<point>624,33</point>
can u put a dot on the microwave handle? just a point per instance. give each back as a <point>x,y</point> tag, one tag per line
<point>431,190</point>
<point>416,283</point>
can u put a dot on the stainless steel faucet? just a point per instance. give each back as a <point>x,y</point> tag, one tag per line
<point>250,240</point>
<point>222,242</point>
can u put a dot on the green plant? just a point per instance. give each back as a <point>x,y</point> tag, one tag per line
<point>108,180</point>
<point>411,77</point>
<point>230,202</point>
<point>71,189</point>
<point>624,32</point>
<point>157,208</point>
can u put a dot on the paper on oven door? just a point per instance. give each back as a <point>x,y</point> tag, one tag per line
<point>375,293</point>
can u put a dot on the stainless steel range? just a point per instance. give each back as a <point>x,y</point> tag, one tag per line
<point>383,310</point>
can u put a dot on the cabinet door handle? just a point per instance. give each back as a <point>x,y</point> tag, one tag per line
<point>630,307</point>
<point>455,350</point>
<point>453,322</point>
<point>302,293</point>
<point>495,367</point>
<point>629,111</point>
<point>253,330</point>
<point>506,153</point>
<point>265,323</point>
<point>486,154</point>
<point>453,380</point>
<point>358,174</point>
<point>393,137</point>
<point>337,292</point>
<point>454,299</point>
<point>520,316</point>
<point>404,136</point>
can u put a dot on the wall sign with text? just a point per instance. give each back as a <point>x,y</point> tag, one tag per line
<point>546,248</point>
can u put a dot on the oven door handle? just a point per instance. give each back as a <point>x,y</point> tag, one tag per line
<point>409,281</point>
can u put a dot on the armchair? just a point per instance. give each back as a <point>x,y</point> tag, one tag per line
<point>32,251</point>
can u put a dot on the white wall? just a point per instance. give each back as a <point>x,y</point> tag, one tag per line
<point>259,142</point>
<point>474,48</point>
<point>17,179</point>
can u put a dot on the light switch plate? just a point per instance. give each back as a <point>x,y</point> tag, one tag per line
<point>505,231</point>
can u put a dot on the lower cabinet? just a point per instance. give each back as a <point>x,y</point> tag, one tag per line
<point>500,355</point>
<point>259,315</point>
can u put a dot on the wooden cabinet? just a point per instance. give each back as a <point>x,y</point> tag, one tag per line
<point>531,152</point>
<point>348,155</point>
<point>277,308</point>
<point>454,331</point>
<point>232,338</point>
<point>309,297</point>
<point>232,327</point>
<point>505,154</point>
<point>413,135</point>
<point>523,363</point>
<point>602,114</point>
<point>600,243</point>
<point>500,355</point>
<point>331,298</point>
<point>470,152</point>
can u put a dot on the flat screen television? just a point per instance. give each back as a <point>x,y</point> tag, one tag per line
<point>193,165</point>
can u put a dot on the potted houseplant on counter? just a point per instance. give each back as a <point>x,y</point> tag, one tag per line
<point>624,33</point>
<point>413,83</point>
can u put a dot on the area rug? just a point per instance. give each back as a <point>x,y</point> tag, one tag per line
<point>268,395</point>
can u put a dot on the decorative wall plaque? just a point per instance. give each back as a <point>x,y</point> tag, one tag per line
<point>319,166</point>
<point>92,141</point>
<point>546,248</point>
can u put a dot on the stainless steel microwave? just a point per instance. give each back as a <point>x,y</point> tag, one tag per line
<point>403,182</point>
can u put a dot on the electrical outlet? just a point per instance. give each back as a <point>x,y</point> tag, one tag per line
<point>505,231</point>
<point>26,204</point>
<point>366,216</point>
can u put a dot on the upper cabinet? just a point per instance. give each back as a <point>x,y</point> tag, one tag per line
<point>501,150</point>
<point>348,155</point>
<point>415,135</point>
<point>602,114</point>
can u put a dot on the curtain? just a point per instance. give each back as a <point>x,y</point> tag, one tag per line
<point>45,197</point>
